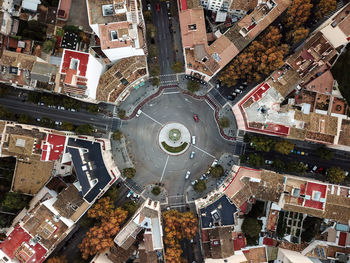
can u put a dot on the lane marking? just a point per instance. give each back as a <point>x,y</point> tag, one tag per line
<point>171,92</point>
<point>166,162</point>
<point>152,118</point>
<point>203,151</point>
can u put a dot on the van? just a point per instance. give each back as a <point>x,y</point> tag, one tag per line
<point>193,140</point>
<point>138,113</point>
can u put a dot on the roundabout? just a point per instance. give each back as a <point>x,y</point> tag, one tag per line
<point>174,138</point>
<point>166,123</point>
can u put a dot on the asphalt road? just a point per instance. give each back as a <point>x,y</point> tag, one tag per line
<point>15,105</point>
<point>164,37</point>
<point>152,164</point>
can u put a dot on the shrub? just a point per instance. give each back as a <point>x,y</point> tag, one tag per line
<point>156,190</point>
<point>174,149</point>
<point>129,172</point>
<point>217,171</point>
<point>224,122</point>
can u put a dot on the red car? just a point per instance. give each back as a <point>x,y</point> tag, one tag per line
<point>195,117</point>
<point>158,7</point>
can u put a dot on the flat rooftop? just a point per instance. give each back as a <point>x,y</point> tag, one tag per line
<point>96,14</point>
<point>221,210</point>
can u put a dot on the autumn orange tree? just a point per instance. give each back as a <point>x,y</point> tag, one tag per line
<point>258,60</point>
<point>100,236</point>
<point>298,13</point>
<point>323,7</point>
<point>61,259</point>
<point>102,208</point>
<point>177,226</point>
<point>296,35</point>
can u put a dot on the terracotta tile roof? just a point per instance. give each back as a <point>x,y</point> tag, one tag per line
<point>344,138</point>
<point>256,254</point>
<point>322,84</point>
<point>122,28</point>
<point>196,34</point>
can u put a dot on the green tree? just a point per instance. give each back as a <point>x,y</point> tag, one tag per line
<point>147,15</point>
<point>14,201</point>
<point>256,160</point>
<point>156,190</point>
<point>47,122</point>
<point>121,113</point>
<point>67,126</point>
<point>154,70</point>
<point>284,147</point>
<point>113,193</point>
<point>92,108</point>
<point>59,32</point>
<point>247,138</point>
<point>5,113</point>
<point>324,7</point>
<point>251,228</point>
<point>217,171</point>
<point>177,67</point>
<point>129,172</point>
<point>117,135</point>
<point>49,45</point>
<point>296,167</point>
<point>155,81</point>
<point>224,122</point>
<point>26,119</point>
<point>69,103</point>
<point>200,186</point>
<point>153,51</point>
<point>3,91</point>
<point>86,129</point>
<point>260,143</point>
<point>335,174</point>
<point>193,86</point>
<point>279,165</point>
<point>325,153</point>
<point>131,207</point>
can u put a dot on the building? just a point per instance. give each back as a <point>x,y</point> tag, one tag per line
<point>80,73</point>
<point>119,26</point>
<point>7,10</point>
<point>203,61</point>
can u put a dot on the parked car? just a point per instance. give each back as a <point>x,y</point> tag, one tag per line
<point>59,123</point>
<point>188,173</point>
<point>346,173</point>
<point>195,117</point>
<point>194,182</point>
<point>203,177</point>
<point>192,155</point>
<point>148,6</point>
<point>158,7</point>
<point>268,162</point>
<point>193,139</point>
<point>238,91</point>
<point>215,162</point>
<point>38,119</point>
<point>138,113</point>
<point>73,110</point>
<point>168,4</point>
<point>314,169</point>
<point>229,97</point>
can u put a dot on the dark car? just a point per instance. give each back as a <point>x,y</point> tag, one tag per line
<point>229,97</point>
<point>158,7</point>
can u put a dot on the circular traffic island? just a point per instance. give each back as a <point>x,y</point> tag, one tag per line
<point>174,138</point>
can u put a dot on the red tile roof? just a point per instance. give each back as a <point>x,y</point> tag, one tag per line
<point>53,147</point>
<point>268,241</point>
<point>83,61</point>
<point>14,241</point>
<point>183,5</point>
<point>311,188</point>
<point>342,239</point>
<point>239,242</point>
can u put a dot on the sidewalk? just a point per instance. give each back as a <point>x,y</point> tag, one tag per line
<point>227,112</point>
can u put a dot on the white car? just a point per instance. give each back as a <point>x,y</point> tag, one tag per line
<point>268,162</point>
<point>148,6</point>
<point>138,113</point>
<point>193,140</point>
<point>238,91</point>
<point>194,182</point>
<point>192,155</point>
<point>188,173</point>
<point>215,162</point>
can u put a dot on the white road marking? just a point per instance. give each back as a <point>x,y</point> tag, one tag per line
<point>171,92</point>
<point>166,162</point>
<point>175,196</point>
<point>203,151</point>
<point>211,106</point>
<point>152,119</point>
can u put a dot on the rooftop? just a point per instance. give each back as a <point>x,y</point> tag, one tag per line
<point>19,60</point>
<point>43,71</point>
<point>192,24</point>
<point>322,84</point>
<point>44,223</point>
<point>96,15</point>
<point>124,72</point>
<point>115,35</point>
<point>256,254</point>
<point>344,138</point>
<point>219,242</point>
<point>244,5</point>
<point>18,245</point>
<point>219,213</point>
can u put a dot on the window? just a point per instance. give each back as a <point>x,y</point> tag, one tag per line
<point>114,35</point>
<point>192,27</point>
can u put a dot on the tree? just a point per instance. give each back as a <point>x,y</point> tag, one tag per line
<point>69,103</point>
<point>86,129</point>
<point>154,70</point>
<point>117,135</point>
<point>61,259</point>
<point>258,60</point>
<point>311,226</point>
<point>256,160</point>
<point>99,238</point>
<point>113,192</point>
<point>284,147</point>
<point>129,172</point>
<point>298,34</point>
<point>49,45</point>
<point>279,165</point>
<point>121,114</point>
<point>103,208</point>
<point>156,190</point>
<point>260,143</point>
<point>153,51</point>
<point>325,153</point>
<point>92,108</point>
<point>5,113</point>
<point>251,228</point>
<point>217,171</point>
<point>224,122</point>
<point>324,7</point>
<point>3,91</point>
<point>298,13</point>
<point>336,174</point>
<point>14,201</point>
<point>67,126</point>
<point>147,16</point>
<point>193,86</point>
<point>155,81</point>
<point>131,207</point>
<point>200,186</point>
<point>59,32</point>
<point>177,67</point>
<point>26,119</point>
<point>296,167</point>
<point>47,122</point>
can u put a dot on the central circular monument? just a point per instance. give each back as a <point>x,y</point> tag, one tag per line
<point>174,138</point>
